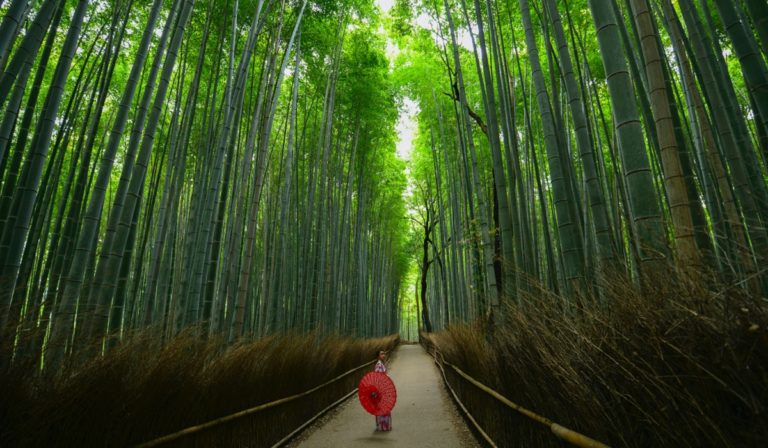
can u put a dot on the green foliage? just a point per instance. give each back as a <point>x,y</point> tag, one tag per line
<point>402,17</point>
<point>367,93</point>
<point>207,201</point>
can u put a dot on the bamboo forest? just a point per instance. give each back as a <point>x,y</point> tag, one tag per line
<point>216,214</point>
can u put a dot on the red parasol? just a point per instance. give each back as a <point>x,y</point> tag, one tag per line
<point>377,393</point>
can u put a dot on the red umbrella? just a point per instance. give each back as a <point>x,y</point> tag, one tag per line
<point>377,393</point>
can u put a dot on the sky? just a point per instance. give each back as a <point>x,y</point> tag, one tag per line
<point>406,128</point>
<point>384,5</point>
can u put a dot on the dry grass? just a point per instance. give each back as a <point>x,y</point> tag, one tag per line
<point>678,366</point>
<point>139,391</point>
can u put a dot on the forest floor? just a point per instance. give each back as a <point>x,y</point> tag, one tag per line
<point>424,415</point>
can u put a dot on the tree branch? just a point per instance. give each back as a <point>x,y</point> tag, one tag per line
<point>478,119</point>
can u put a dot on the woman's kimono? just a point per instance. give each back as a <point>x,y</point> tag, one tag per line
<point>383,422</point>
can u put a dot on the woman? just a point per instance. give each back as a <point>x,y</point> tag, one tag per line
<point>383,422</point>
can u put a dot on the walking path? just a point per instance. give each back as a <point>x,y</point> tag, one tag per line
<point>424,416</point>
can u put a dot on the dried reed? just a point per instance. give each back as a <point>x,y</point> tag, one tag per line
<point>140,391</point>
<point>676,366</point>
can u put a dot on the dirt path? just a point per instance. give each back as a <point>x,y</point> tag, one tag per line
<point>424,416</point>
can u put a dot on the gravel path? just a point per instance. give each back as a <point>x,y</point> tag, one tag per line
<point>424,416</point>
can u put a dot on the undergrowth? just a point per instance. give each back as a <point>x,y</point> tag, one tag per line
<point>139,391</point>
<point>677,366</point>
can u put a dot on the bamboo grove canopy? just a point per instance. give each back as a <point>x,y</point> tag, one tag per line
<point>230,165</point>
